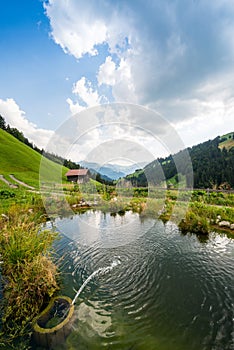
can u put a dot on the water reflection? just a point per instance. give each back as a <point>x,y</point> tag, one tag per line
<point>103,228</point>
<point>169,292</point>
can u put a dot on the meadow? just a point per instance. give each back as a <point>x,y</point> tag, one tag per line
<point>29,273</point>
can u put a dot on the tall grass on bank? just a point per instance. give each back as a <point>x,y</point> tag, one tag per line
<point>28,272</point>
<point>12,199</point>
<point>194,223</point>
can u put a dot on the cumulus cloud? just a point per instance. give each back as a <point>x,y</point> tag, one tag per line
<point>211,112</point>
<point>155,56</point>
<point>74,107</point>
<point>119,77</point>
<point>166,52</point>
<point>15,117</point>
<point>74,27</point>
<point>107,72</point>
<point>84,90</point>
<point>86,95</point>
<point>110,126</point>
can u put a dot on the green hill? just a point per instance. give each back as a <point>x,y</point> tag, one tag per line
<point>227,141</point>
<point>24,163</point>
<point>212,165</point>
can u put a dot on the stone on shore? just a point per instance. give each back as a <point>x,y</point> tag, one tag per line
<point>224,224</point>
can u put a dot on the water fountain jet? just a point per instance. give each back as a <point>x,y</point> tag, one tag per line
<point>53,325</point>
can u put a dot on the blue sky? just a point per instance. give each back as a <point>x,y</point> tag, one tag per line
<point>61,57</point>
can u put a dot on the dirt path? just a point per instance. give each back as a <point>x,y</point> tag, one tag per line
<point>2,178</point>
<point>21,182</point>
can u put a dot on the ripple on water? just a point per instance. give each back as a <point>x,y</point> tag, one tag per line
<point>169,291</point>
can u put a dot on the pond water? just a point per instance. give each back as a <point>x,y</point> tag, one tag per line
<point>167,291</point>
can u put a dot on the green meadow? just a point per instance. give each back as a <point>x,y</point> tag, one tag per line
<point>24,163</point>
<point>25,251</point>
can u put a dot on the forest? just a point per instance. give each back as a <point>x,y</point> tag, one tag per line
<point>212,166</point>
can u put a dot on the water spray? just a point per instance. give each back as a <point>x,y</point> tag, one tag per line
<point>100,271</point>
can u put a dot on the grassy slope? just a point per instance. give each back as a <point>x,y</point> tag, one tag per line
<point>228,143</point>
<point>18,159</point>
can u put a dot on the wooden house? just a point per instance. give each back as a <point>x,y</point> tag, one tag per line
<point>78,175</point>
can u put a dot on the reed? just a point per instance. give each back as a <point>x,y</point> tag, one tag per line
<point>28,272</point>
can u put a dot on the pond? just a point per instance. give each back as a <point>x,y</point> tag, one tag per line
<point>166,291</point>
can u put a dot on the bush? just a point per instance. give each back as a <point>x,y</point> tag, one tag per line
<point>6,194</point>
<point>28,272</point>
<point>194,224</point>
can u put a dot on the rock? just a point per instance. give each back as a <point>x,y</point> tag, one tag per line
<point>232,226</point>
<point>4,216</point>
<point>77,205</point>
<point>224,224</point>
<point>218,217</point>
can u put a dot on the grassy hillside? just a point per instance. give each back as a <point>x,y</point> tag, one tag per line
<point>22,161</point>
<point>227,141</point>
<point>212,166</point>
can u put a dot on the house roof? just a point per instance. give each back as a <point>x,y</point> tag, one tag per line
<point>77,172</point>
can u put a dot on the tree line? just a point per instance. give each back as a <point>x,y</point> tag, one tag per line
<point>53,157</point>
<point>210,167</point>
<point>20,136</point>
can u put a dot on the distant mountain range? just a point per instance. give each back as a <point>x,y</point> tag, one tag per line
<point>207,165</point>
<point>210,165</point>
<point>111,171</point>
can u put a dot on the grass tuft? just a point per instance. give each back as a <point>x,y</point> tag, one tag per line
<point>28,272</point>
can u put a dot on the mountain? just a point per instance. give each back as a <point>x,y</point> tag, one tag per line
<point>212,166</point>
<point>111,171</point>
<point>100,177</point>
<point>24,162</point>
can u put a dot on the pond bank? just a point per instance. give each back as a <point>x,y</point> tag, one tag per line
<point>24,260</point>
<point>28,272</point>
<point>169,291</point>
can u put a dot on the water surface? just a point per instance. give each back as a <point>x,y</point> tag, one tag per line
<point>169,291</point>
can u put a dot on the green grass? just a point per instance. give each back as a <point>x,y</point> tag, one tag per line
<point>176,181</point>
<point>29,275</point>
<point>227,144</point>
<point>22,161</point>
<point>227,141</point>
<point>20,196</point>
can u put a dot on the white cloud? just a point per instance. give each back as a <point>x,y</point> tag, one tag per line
<point>15,117</point>
<point>74,107</point>
<point>164,51</point>
<point>87,96</point>
<point>212,113</point>
<point>155,56</point>
<point>84,90</point>
<point>75,28</point>
<point>106,127</point>
<point>119,77</point>
<point>107,72</point>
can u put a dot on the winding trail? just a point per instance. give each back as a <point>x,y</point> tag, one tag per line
<point>2,178</point>
<point>21,182</point>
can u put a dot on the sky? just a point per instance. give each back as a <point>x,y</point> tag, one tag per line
<point>167,64</point>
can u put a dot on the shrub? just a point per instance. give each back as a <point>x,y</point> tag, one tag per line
<point>28,272</point>
<point>194,224</point>
<point>6,194</point>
